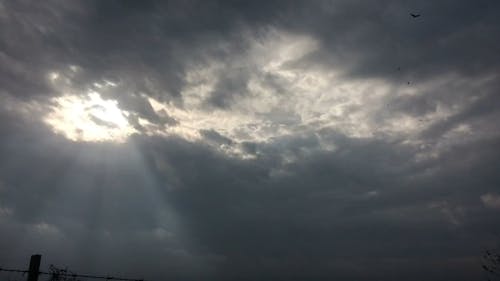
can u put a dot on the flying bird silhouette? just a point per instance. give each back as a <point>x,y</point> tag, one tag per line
<point>414,15</point>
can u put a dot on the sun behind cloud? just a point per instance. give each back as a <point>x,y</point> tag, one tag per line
<point>89,118</point>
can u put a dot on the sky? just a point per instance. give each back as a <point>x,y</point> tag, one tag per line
<point>251,140</point>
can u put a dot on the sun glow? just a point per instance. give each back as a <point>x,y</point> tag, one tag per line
<point>89,118</point>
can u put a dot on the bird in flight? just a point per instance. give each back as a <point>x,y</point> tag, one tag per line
<point>414,15</point>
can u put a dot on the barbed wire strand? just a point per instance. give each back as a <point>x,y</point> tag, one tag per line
<point>73,275</point>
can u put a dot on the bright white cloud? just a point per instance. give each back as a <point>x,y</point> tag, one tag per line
<point>308,100</point>
<point>89,118</point>
<point>312,99</point>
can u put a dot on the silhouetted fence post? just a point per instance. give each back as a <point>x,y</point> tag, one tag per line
<point>34,269</point>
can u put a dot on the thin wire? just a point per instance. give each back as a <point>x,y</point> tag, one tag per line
<point>73,275</point>
<point>14,270</point>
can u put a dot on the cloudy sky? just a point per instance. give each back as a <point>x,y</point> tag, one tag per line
<point>251,140</point>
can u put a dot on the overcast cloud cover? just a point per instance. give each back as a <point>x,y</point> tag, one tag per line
<point>251,140</point>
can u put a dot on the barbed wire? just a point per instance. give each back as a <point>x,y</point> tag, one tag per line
<point>72,275</point>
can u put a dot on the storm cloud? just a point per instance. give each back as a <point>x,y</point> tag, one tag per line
<point>250,140</point>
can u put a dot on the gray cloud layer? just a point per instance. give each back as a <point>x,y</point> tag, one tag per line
<point>268,139</point>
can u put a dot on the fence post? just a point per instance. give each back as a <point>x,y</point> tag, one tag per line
<point>34,269</point>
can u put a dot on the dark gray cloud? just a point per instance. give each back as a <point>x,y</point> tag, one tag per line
<point>265,139</point>
<point>375,39</point>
